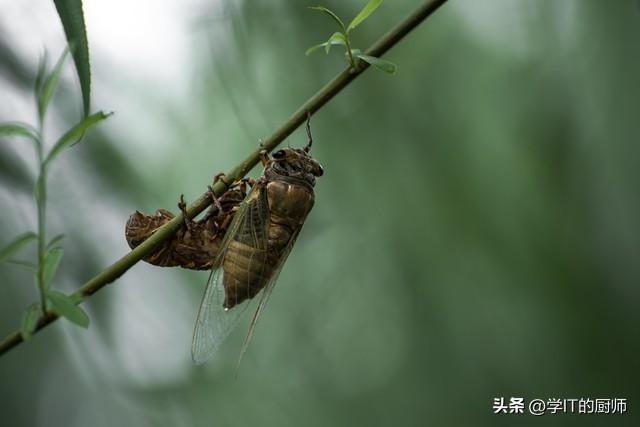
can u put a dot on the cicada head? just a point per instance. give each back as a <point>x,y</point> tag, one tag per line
<point>294,163</point>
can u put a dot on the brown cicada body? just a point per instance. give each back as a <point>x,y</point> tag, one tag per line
<point>256,245</point>
<point>194,246</point>
<point>273,216</point>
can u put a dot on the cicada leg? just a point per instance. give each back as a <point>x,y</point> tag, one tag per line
<point>216,210</point>
<point>214,199</point>
<point>243,183</point>
<point>307,147</point>
<point>223,207</point>
<point>221,177</point>
<point>264,157</point>
<point>188,222</point>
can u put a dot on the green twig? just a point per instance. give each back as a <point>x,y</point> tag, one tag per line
<point>41,200</point>
<point>348,46</point>
<point>312,105</point>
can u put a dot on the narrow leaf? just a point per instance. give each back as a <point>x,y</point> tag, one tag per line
<point>331,14</point>
<point>314,48</point>
<point>18,129</point>
<point>51,262</point>
<point>75,133</point>
<point>23,263</point>
<point>64,306</point>
<point>72,17</point>
<point>30,321</point>
<point>15,245</point>
<point>42,70</point>
<point>387,66</point>
<point>50,84</point>
<point>336,38</point>
<point>53,242</point>
<point>364,13</point>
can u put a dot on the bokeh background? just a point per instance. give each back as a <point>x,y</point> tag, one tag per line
<point>476,234</point>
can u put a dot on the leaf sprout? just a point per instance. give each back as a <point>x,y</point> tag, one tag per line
<point>342,38</point>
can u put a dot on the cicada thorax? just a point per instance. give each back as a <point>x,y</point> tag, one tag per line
<point>195,246</point>
<point>276,210</point>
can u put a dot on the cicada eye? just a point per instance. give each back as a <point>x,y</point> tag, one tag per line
<point>279,154</point>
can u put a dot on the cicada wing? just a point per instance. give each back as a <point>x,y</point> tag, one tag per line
<point>214,322</point>
<point>266,293</point>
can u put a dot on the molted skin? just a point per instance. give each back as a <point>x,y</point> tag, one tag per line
<point>195,247</point>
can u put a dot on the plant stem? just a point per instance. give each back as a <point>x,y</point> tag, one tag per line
<point>348,46</point>
<point>312,105</point>
<point>41,202</point>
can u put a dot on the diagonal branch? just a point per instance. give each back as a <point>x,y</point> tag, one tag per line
<point>313,104</point>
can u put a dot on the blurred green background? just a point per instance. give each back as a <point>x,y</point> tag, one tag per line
<point>475,235</point>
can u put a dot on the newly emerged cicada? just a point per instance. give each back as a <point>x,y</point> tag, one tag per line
<point>256,245</point>
<point>259,233</point>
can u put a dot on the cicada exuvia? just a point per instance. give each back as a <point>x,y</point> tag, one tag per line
<point>197,243</point>
<point>256,245</point>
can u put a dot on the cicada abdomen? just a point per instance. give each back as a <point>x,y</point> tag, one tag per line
<point>197,243</point>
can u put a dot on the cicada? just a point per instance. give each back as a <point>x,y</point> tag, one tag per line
<point>244,238</point>
<point>256,245</point>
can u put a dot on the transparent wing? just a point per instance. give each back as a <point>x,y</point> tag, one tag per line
<point>214,322</point>
<point>266,293</point>
<point>249,227</point>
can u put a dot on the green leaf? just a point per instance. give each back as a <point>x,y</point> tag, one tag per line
<point>51,262</point>
<point>30,321</point>
<point>16,244</point>
<point>42,70</point>
<point>64,306</point>
<point>331,14</point>
<point>387,66</point>
<point>74,134</point>
<point>72,17</point>
<point>49,85</point>
<point>53,242</point>
<point>314,48</point>
<point>336,38</point>
<point>23,263</point>
<point>364,13</point>
<point>18,129</point>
